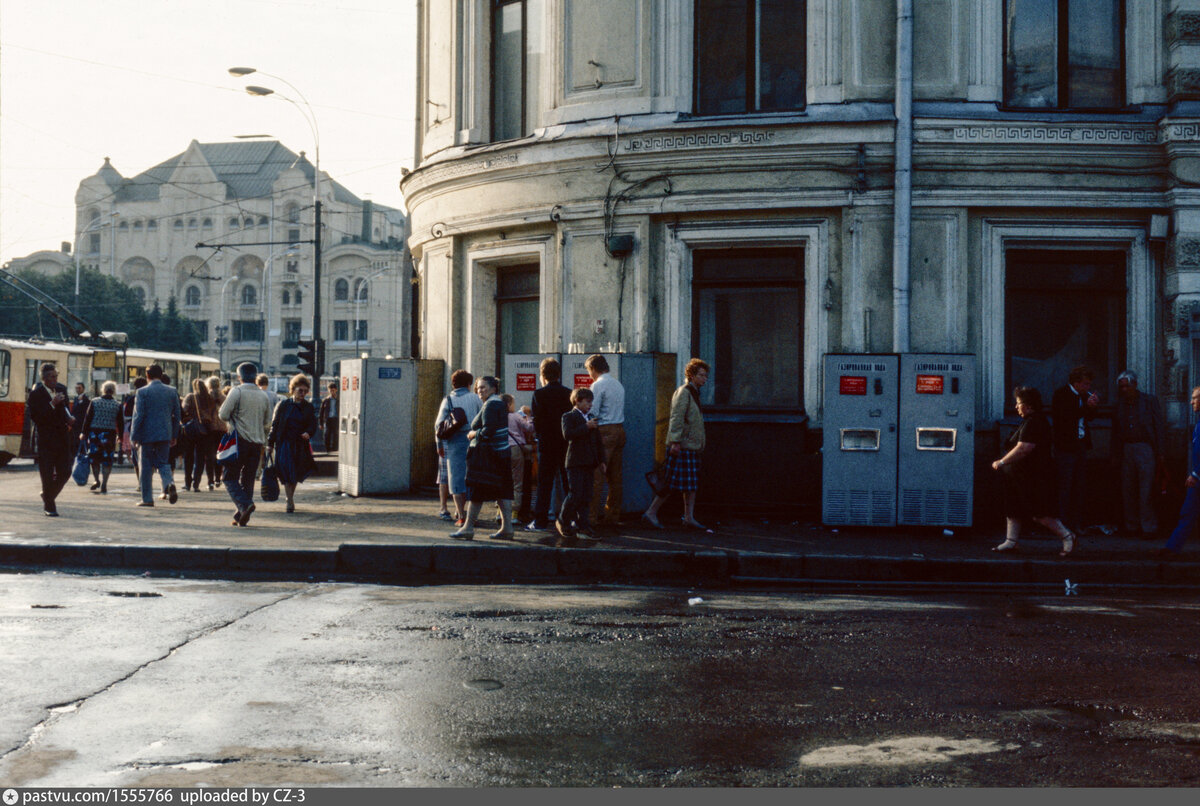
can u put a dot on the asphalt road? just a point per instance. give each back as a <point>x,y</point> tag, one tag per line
<point>136,681</point>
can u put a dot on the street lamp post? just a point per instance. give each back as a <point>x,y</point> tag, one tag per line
<point>223,328</point>
<point>310,118</point>
<point>264,303</point>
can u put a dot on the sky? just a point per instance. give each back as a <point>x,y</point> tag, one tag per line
<point>137,80</point>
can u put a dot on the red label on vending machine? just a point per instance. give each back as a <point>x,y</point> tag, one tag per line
<point>583,381</point>
<point>526,381</point>
<point>930,384</point>
<point>852,385</point>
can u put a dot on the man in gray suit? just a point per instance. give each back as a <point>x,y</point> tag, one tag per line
<point>155,428</point>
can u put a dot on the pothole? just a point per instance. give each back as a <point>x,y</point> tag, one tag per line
<point>136,594</point>
<point>483,684</point>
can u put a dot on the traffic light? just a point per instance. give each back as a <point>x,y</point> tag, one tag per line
<point>310,359</point>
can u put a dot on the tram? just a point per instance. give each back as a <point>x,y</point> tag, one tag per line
<point>21,360</point>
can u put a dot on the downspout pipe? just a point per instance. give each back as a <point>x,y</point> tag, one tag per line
<point>902,196</point>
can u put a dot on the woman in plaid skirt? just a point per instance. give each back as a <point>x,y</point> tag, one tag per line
<point>685,442</point>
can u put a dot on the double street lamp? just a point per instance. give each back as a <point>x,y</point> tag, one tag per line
<point>310,117</point>
<point>264,303</point>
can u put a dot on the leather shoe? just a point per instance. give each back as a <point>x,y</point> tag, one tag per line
<point>145,503</point>
<point>172,495</point>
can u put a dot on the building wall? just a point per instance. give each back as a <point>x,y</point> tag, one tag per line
<point>151,245</point>
<point>615,147</point>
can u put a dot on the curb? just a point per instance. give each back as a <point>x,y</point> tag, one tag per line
<point>499,564</point>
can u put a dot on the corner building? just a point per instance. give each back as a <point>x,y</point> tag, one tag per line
<point>748,148</point>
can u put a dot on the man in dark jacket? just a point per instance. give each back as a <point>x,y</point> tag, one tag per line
<point>550,403</point>
<point>1072,407</point>
<point>50,412</point>
<point>585,454</point>
<point>328,418</point>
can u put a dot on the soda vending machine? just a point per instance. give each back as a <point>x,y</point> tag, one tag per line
<point>522,375</point>
<point>386,424</point>
<point>859,448</point>
<point>649,381</point>
<point>936,467</point>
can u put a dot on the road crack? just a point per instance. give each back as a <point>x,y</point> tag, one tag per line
<point>58,711</point>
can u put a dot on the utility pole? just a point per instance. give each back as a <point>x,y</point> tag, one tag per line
<point>319,368</point>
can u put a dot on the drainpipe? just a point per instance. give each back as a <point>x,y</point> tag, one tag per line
<point>902,196</point>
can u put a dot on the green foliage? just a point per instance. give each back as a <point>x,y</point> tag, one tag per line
<point>105,303</point>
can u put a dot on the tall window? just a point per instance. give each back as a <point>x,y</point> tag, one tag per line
<point>360,330</point>
<point>750,56</point>
<point>341,289</point>
<point>191,297</point>
<point>1064,54</point>
<point>247,330</point>
<point>1063,308</point>
<point>291,333</point>
<point>747,322</point>
<point>517,291</point>
<point>516,66</point>
<point>341,330</point>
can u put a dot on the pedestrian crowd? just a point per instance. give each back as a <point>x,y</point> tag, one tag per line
<point>232,435</point>
<point>558,462</point>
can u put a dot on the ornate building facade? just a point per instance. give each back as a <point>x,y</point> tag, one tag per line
<point>251,292</point>
<point>759,155</point>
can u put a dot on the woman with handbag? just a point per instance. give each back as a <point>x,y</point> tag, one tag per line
<point>202,425</point>
<point>685,442</point>
<point>450,430</point>
<point>489,465</point>
<point>102,424</point>
<point>292,428</point>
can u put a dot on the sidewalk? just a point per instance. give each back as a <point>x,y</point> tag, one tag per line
<point>399,540</point>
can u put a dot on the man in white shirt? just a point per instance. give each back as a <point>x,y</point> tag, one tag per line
<point>248,411</point>
<point>608,409</point>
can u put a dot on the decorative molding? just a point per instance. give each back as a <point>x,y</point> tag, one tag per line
<point>1183,84</point>
<point>1039,135</point>
<point>1183,28</point>
<point>1186,252</point>
<point>698,140</point>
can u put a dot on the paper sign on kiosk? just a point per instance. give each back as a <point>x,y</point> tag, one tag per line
<point>931,384</point>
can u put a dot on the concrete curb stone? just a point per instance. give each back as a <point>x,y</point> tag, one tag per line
<point>62,554</point>
<point>470,561</point>
<point>369,559</point>
<point>185,557</point>
<point>317,561</point>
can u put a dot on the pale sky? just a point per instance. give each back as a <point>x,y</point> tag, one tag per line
<point>137,80</point>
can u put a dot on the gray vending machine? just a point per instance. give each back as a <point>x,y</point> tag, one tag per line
<point>522,375</point>
<point>649,381</point>
<point>937,439</point>
<point>379,399</point>
<point>858,462</point>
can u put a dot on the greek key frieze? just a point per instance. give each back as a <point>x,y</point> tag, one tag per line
<point>667,142</point>
<point>1052,134</point>
<point>476,166</point>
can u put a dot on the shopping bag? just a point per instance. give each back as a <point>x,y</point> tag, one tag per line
<point>659,477</point>
<point>81,468</point>
<point>268,489</point>
<point>227,449</point>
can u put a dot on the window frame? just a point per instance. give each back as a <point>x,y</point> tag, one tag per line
<point>1062,64</point>
<point>798,253</point>
<point>753,46</point>
<point>496,5</point>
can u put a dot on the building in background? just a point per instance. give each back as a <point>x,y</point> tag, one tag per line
<point>717,178</point>
<point>255,292</point>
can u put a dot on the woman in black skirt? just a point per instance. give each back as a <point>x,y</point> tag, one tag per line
<point>293,425</point>
<point>489,463</point>
<point>1027,474</point>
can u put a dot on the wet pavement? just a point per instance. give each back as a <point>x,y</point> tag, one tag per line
<point>401,539</point>
<point>181,683</point>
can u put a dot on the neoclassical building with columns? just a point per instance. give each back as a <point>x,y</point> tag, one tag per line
<point>254,199</point>
<point>764,182</point>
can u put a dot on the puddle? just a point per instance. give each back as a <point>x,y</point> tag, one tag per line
<point>484,684</point>
<point>1178,732</point>
<point>901,752</point>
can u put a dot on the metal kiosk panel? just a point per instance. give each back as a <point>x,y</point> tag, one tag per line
<point>858,467</point>
<point>377,425</point>
<point>937,439</point>
<point>522,375</point>
<point>648,379</point>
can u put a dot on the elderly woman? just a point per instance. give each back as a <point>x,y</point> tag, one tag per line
<point>685,442</point>
<point>454,449</point>
<point>101,426</point>
<point>292,428</point>
<point>489,471</point>
<point>1027,474</point>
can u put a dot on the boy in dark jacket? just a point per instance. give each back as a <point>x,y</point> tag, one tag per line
<point>585,453</point>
